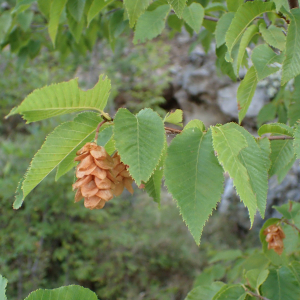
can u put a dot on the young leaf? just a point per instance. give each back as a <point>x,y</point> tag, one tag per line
<point>95,8</point>
<point>3,283</point>
<point>151,24</point>
<point>63,98</point>
<point>228,143</point>
<point>153,185</point>
<point>222,27</point>
<point>140,141</point>
<point>195,124</point>
<point>174,117</point>
<point>194,177</point>
<point>55,12</point>
<point>273,35</point>
<point>291,65</point>
<point>276,128</point>
<point>282,152</point>
<point>135,8</point>
<point>225,66</point>
<point>283,172</point>
<point>231,292</point>
<point>246,92</point>
<point>73,292</point>
<point>257,277</point>
<point>297,139</point>
<point>281,284</point>
<point>246,38</point>
<point>263,56</point>
<point>243,17</point>
<point>193,16</point>
<point>57,146</point>
<point>206,292</point>
<point>178,6</point>
<point>294,108</point>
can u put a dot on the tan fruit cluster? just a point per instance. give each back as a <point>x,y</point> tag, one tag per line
<point>274,237</point>
<point>99,176</point>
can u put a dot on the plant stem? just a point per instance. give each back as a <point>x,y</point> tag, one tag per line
<point>280,137</point>
<point>255,295</point>
<point>209,18</point>
<point>97,130</point>
<point>172,130</point>
<point>291,224</point>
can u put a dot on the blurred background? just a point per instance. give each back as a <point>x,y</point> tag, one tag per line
<point>133,248</point>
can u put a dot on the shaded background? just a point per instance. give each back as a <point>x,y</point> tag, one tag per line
<point>131,249</point>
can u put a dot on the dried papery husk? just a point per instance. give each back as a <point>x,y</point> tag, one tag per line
<point>122,175</point>
<point>274,238</point>
<point>95,180</point>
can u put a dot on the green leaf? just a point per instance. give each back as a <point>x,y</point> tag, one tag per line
<point>222,27</point>
<point>246,38</point>
<point>75,27</point>
<point>56,10</point>
<point>59,145</point>
<point>68,163</point>
<point>254,160</point>
<point>22,5</point>
<point>178,6</point>
<point>215,6</point>
<point>282,152</point>
<point>76,8</point>
<point>63,98</point>
<point>25,19</point>
<point>294,107</point>
<point>276,128</point>
<point>44,7</point>
<point>194,177</point>
<point>297,139</point>
<point>193,16</point>
<point>135,9</point>
<point>273,35</point>
<point>246,92</point>
<point>174,117</point>
<point>243,17</point>
<point>265,147</point>
<point>195,124</point>
<point>280,3</point>
<point>233,5</point>
<point>73,292</point>
<point>267,113</point>
<point>295,268</point>
<point>263,56</point>
<point>209,275</point>
<point>257,277</point>
<point>95,8</point>
<point>289,210</point>
<point>231,292</point>
<point>225,67</point>
<point>281,284</point>
<point>291,65</point>
<point>3,283</point>
<point>5,23</point>
<point>291,240</point>
<point>175,23</point>
<point>281,174</point>
<point>153,185</point>
<point>226,255</point>
<point>206,292</point>
<point>151,24</point>
<point>241,157</point>
<point>140,141</point>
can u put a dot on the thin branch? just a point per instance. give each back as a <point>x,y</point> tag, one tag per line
<point>172,130</point>
<point>280,137</point>
<point>209,18</point>
<point>98,128</point>
<point>255,295</point>
<point>291,224</point>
